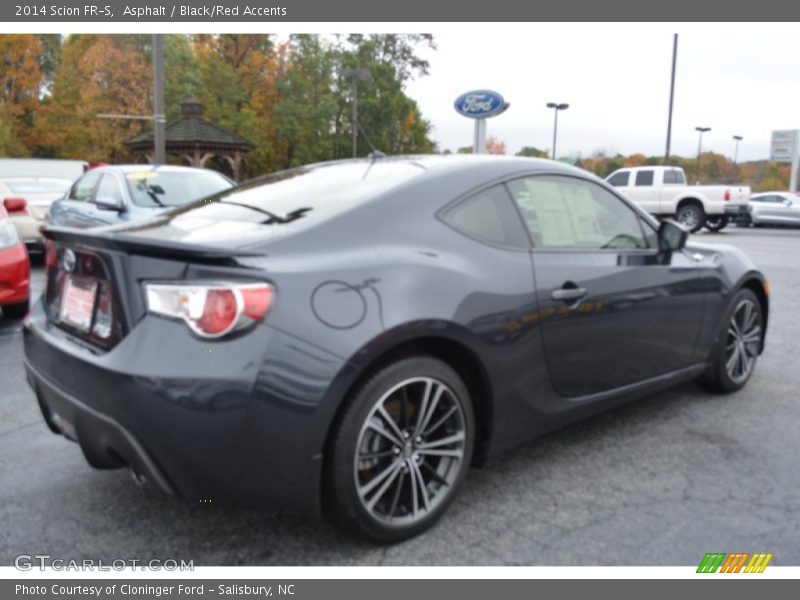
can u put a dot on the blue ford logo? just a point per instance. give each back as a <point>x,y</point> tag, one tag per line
<point>480,104</point>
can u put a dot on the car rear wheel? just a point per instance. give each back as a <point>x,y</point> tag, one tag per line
<point>717,223</point>
<point>16,311</point>
<point>401,450</point>
<point>691,216</point>
<point>738,346</point>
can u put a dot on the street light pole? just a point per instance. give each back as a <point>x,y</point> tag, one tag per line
<point>159,130</point>
<point>702,130</point>
<point>356,75</point>
<point>556,107</point>
<point>671,97</point>
<point>738,139</point>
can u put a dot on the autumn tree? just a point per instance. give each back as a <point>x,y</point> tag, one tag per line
<point>495,146</point>
<point>21,80</point>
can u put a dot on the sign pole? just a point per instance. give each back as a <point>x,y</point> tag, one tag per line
<point>795,161</point>
<point>480,136</point>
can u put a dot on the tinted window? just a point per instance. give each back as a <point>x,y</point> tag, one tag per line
<point>620,179</point>
<point>644,177</point>
<point>674,176</point>
<point>490,216</point>
<point>572,213</point>
<point>109,187</point>
<point>173,188</point>
<point>84,188</point>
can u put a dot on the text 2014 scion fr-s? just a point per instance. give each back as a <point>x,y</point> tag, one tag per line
<point>347,338</point>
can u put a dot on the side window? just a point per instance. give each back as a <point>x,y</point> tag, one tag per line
<point>644,178</point>
<point>620,179</point>
<point>572,213</point>
<point>83,189</point>
<point>109,187</point>
<point>674,176</point>
<point>489,215</point>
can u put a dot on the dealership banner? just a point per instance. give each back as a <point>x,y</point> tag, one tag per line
<point>388,589</point>
<point>277,11</point>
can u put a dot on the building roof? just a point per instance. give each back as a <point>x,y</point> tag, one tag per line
<point>191,130</point>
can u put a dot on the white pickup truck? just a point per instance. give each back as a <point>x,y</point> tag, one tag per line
<point>663,192</point>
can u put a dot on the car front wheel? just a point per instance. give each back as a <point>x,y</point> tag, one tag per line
<point>400,450</point>
<point>738,346</point>
<point>16,311</point>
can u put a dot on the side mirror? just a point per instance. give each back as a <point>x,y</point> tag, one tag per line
<point>671,236</point>
<point>109,203</point>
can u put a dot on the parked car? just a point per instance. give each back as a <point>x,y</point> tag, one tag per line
<point>123,193</point>
<point>350,337</point>
<point>27,201</point>
<point>774,208</point>
<point>14,271</point>
<point>42,167</point>
<point>662,191</point>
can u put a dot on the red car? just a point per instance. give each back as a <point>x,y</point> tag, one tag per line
<point>14,270</point>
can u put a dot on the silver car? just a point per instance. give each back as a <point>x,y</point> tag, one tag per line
<point>775,208</point>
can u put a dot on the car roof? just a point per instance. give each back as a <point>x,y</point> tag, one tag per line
<point>148,167</point>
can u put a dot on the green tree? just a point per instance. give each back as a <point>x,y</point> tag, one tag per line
<point>533,152</point>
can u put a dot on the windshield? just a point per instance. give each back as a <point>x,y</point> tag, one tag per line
<point>173,188</point>
<point>38,186</point>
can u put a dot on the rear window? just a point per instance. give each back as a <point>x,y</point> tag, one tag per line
<point>674,176</point>
<point>38,186</point>
<point>318,191</point>
<point>173,188</point>
<point>644,178</point>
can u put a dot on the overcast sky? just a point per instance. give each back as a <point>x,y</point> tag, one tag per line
<point>738,80</point>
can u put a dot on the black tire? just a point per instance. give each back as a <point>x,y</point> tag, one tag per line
<point>718,377</point>
<point>717,223</point>
<point>347,464</point>
<point>744,221</point>
<point>691,216</point>
<point>16,311</point>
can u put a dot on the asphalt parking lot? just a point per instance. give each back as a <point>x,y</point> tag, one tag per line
<point>658,482</point>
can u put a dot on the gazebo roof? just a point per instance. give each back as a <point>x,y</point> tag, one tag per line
<point>192,130</point>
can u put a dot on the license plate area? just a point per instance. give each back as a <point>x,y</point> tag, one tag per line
<point>77,302</point>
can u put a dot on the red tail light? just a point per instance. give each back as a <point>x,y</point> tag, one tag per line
<point>50,254</point>
<point>16,206</point>
<point>212,309</point>
<point>727,195</point>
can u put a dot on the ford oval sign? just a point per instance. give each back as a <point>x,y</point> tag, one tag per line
<point>480,104</point>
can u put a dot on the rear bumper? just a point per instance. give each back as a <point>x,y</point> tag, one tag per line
<point>14,275</point>
<point>201,421</point>
<point>737,210</point>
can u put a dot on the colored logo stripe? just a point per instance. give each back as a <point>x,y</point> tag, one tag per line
<point>734,563</point>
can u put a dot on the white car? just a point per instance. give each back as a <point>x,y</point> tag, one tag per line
<point>775,208</point>
<point>27,201</point>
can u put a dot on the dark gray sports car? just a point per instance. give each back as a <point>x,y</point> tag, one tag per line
<point>350,337</point>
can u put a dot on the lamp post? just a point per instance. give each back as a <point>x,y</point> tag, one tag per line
<point>737,139</point>
<point>702,130</point>
<point>356,75</point>
<point>556,107</point>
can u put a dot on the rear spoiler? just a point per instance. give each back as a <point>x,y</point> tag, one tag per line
<point>146,247</point>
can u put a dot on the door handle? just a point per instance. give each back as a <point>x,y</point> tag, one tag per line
<point>569,294</point>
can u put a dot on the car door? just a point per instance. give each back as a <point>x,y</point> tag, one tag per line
<point>614,310</point>
<point>646,193</point>
<point>77,208</point>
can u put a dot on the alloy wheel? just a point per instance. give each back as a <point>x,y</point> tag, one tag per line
<point>743,341</point>
<point>410,451</point>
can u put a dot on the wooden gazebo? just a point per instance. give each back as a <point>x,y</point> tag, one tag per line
<point>195,140</point>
